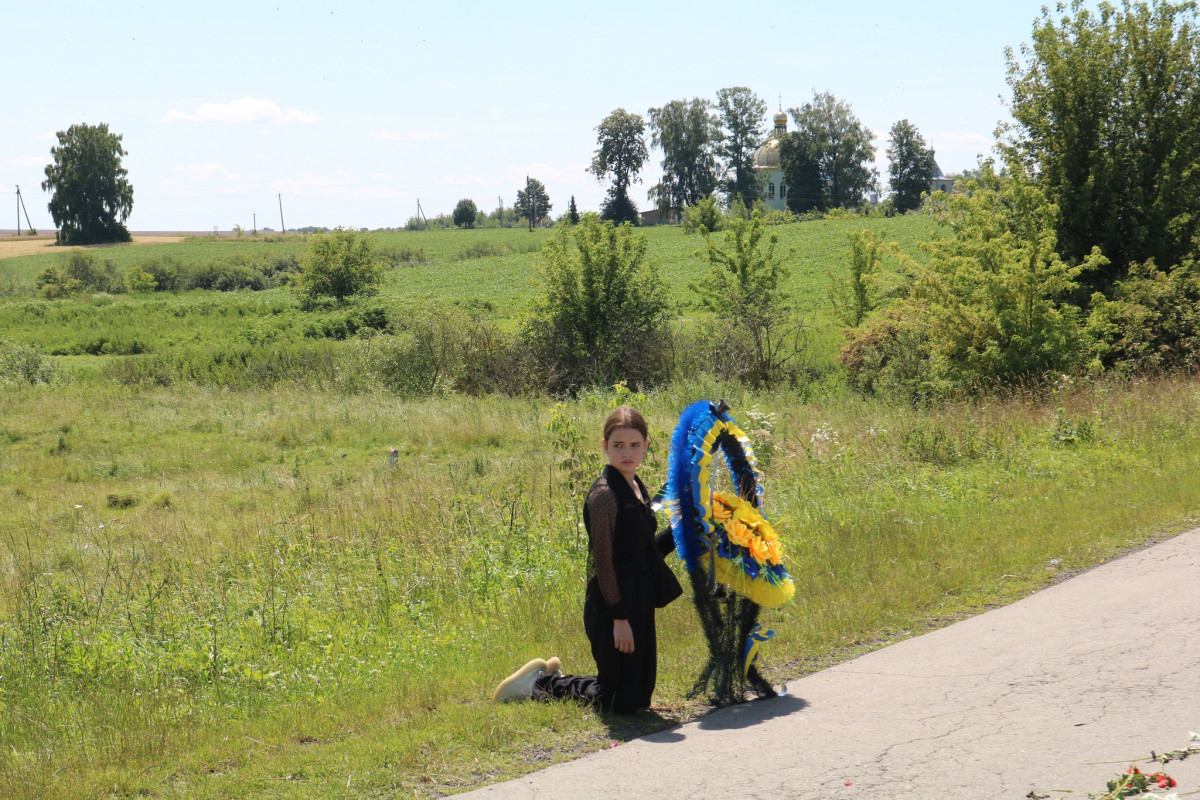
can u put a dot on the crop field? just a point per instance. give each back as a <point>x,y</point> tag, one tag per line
<point>218,584</point>
<point>488,273</point>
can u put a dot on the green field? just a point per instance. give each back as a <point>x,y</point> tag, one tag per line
<point>188,331</point>
<point>219,587</point>
<point>502,281</point>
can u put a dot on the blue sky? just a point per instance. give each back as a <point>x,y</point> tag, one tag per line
<point>353,111</point>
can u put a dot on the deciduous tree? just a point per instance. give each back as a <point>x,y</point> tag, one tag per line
<point>619,157</point>
<point>910,165</point>
<point>835,148</point>
<point>532,202</point>
<point>687,133</point>
<point>802,174</point>
<point>742,114</point>
<point>1107,113</point>
<point>91,197</point>
<point>465,213</point>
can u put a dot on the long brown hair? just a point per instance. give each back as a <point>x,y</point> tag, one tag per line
<point>626,417</point>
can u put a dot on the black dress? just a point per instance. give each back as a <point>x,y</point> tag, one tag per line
<point>621,531</point>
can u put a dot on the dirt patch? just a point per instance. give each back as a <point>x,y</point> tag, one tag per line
<point>12,246</point>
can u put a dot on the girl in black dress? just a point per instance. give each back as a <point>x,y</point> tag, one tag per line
<point>625,564</point>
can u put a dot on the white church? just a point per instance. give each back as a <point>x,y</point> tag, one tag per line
<point>775,195</point>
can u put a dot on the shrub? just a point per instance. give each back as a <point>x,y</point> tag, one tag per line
<point>1152,321</point>
<point>81,266</point>
<point>773,216</point>
<point>52,283</point>
<point>480,249</point>
<point>345,325</point>
<point>224,277</point>
<point>856,295</point>
<point>139,280</point>
<point>993,297</point>
<point>425,356</point>
<point>602,313</point>
<point>703,216</point>
<point>231,273</point>
<point>891,356</point>
<point>404,254</point>
<point>280,267</point>
<point>745,291</point>
<point>235,365</point>
<point>497,362</point>
<point>731,354</point>
<point>24,364</point>
<point>165,271</point>
<point>102,346</point>
<point>340,264</point>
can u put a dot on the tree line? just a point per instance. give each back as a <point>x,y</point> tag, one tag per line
<point>708,147</point>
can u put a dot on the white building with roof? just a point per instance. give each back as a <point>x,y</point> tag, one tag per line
<point>766,158</point>
<point>939,183</point>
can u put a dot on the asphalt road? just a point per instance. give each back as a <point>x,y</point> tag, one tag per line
<point>1059,691</point>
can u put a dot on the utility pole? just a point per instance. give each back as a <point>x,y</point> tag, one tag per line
<point>282,227</point>
<point>528,204</point>
<point>500,200</point>
<point>20,208</point>
<point>254,217</point>
<point>421,214</point>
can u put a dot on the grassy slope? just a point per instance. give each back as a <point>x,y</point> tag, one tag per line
<point>285,613</point>
<point>206,593</point>
<point>498,286</point>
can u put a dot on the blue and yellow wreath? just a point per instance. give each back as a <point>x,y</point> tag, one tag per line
<point>724,534</point>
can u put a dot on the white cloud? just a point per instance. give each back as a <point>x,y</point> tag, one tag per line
<point>460,179</point>
<point>384,135</point>
<point>419,135</point>
<point>27,161</point>
<point>545,172</point>
<point>253,110</point>
<point>210,171</point>
<point>962,140</point>
<point>337,183</point>
<point>258,156</point>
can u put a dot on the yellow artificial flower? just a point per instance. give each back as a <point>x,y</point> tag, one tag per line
<point>721,512</point>
<point>739,534</point>
<point>759,549</point>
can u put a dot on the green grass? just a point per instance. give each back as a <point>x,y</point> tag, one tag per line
<point>194,325</point>
<point>20,271</point>
<point>502,278</point>
<point>220,588</point>
<point>206,592</point>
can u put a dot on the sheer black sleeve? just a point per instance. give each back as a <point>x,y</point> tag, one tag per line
<point>602,520</point>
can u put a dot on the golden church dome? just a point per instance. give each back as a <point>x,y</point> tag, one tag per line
<point>767,156</point>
